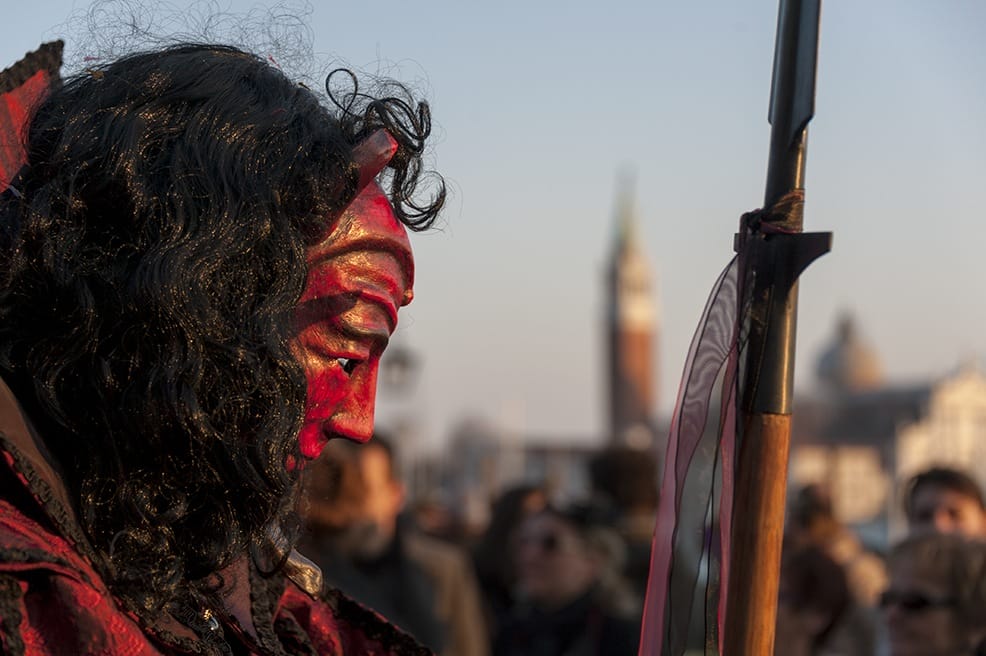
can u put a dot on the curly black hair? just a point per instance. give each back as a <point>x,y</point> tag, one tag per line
<point>148,272</point>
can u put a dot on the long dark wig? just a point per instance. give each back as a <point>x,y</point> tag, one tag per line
<point>148,271</point>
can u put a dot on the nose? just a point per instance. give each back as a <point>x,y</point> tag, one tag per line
<point>943,521</point>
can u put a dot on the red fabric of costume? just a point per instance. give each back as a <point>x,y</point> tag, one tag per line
<point>53,601</point>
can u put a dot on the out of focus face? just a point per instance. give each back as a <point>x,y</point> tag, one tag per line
<point>359,275</point>
<point>947,511</point>
<point>383,495</point>
<point>920,615</point>
<point>554,564</point>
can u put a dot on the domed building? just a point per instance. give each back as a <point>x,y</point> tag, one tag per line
<point>861,438</point>
<point>849,364</point>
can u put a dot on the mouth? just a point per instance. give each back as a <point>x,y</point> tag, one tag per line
<point>312,440</point>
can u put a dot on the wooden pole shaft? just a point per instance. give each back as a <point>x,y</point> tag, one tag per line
<point>757,536</point>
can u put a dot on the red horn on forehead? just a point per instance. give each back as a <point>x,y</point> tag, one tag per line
<point>372,154</point>
<point>22,87</point>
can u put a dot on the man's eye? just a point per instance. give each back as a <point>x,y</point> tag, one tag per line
<point>348,364</point>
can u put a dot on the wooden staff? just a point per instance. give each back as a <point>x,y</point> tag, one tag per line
<point>775,251</point>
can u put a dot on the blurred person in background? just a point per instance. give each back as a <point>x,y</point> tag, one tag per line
<point>572,597</point>
<point>493,556</point>
<point>434,516</point>
<point>357,536</point>
<point>945,500</point>
<point>936,602</point>
<point>816,614</point>
<point>812,522</point>
<point>627,479</point>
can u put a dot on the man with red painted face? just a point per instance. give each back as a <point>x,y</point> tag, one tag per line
<point>360,274</point>
<point>198,264</point>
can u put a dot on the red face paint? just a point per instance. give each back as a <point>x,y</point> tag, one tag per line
<point>359,275</point>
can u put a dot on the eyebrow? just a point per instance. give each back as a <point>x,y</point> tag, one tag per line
<point>378,337</point>
<point>387,245</point>
<point>339,305</point>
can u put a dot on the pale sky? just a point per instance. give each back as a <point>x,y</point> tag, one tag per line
<point>539,106</point>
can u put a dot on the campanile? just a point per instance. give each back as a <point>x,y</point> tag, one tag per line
<point>631,328</point>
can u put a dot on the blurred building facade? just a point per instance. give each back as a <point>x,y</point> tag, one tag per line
<point>863,438</point>
<point>857,434</point>
<point>482,461</point>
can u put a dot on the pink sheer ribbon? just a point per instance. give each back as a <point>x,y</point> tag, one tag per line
<point>689,555</point>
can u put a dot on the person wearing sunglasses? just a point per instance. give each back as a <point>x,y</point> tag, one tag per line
<point>936,602</point>
<point>572,598</point>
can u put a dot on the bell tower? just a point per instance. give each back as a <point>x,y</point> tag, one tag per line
<point>631,329</point>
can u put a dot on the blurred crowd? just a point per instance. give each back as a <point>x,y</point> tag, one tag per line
<point>549,579</point>
<point>926,597</point>
<point>542,578</point>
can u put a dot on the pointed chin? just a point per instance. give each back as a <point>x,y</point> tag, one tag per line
<point>312,439</point>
